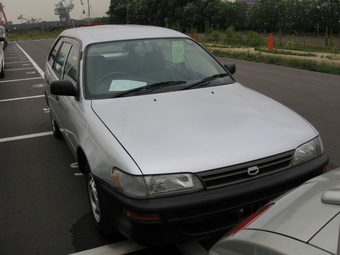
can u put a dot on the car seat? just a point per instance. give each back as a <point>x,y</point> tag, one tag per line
<point>154,67</point>
<point>96,68</point>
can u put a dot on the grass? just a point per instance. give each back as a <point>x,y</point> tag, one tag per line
<point>286,52</point>
<point>34,34</point>
<point>305,64</point>
<point>262,49</point>
<point>219,43</point>
<point>334,57</point>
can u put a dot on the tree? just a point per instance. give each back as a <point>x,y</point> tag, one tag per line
<point>264,16</point>
<point>192,15</point>
<point>118,11</point>
<point>289,16</point>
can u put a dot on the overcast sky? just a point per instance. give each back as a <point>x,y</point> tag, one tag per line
<point>44,9</point>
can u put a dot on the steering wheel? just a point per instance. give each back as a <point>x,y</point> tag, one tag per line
<point>109,77</point>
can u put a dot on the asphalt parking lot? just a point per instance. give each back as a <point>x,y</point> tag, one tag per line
<point>44,196</point>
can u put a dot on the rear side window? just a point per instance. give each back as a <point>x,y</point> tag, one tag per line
<point>54,52</point>
<point>60,59</point>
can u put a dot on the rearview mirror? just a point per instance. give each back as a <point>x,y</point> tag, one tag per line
<point>331,196</point>
<point>63,88</point>
<point>231,67</point>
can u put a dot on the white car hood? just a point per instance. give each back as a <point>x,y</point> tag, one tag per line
<point>201,129</point>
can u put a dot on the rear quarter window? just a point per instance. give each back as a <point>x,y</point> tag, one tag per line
<point>60,59</point>
<point>53,54</point>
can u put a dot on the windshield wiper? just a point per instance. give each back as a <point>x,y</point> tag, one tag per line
<point>149,86</point>
<point>206,80</point>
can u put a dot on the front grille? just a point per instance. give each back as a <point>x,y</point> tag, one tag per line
<point>240,173</point>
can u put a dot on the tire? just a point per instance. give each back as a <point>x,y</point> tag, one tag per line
<point>55,129</point>
<point>46,99</point>
<point>98,214</point>
<point>2,74</point>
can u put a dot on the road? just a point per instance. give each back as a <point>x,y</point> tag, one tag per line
<point>43,197</point>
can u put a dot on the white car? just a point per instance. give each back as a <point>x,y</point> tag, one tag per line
<point>3,33</point>
<point>2,58</point>
<point>172,146</point>
<point>304,221</point>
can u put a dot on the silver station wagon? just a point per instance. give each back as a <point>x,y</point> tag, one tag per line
<point>173,148</point>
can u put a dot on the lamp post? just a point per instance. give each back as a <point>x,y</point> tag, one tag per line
<point>88,9</point>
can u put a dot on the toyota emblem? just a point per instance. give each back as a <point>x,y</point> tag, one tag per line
<point>253,170</point>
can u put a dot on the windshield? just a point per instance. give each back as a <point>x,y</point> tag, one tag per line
<point>135,67</point>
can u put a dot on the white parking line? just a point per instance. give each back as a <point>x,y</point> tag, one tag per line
<point>32,61</point>
<point>21,137</point>
<point>14,55</point>
<point>38,85</point>
<point>18,62</point>
<point>26,79</point>
<point>19,69</point>
<point>20,98</point>
<point>119,248</point>
<point>128,246</point>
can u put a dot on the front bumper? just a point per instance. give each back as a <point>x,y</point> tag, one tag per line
<point>202,214</point>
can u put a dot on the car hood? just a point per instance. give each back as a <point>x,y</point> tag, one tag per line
<point>301,214</point>
<point>201,129</point>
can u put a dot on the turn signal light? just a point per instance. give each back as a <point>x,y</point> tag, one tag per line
<point>325,169</point>
<point>142,216</point>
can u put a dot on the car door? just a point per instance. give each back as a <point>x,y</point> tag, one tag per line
<point>66,67</point>
<point>53,71</point>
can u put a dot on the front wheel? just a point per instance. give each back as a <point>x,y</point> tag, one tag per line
<point>2,73</point>
<point>55,129</point>
<point>98,215</point>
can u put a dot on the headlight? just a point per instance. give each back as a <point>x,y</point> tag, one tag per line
<point>308,151</point>
<point>154,185</point>
<point>167,184</point>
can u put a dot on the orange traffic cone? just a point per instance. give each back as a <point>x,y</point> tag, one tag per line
<point>195,36</point>
<point>270,42</point>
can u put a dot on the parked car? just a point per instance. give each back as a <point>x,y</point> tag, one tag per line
<point>3,33</point>
<point>303,221</point>
<point>172,146</point>
<point>2,59</point>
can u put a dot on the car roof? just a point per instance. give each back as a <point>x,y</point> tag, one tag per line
<point>105,33</point>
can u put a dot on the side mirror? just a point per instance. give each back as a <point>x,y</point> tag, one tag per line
<point>230,67</point>
<point>63,88</point>
<point>331,196</point>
